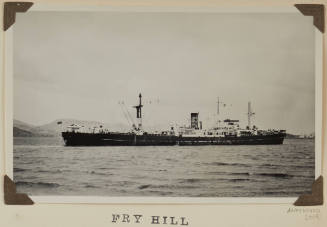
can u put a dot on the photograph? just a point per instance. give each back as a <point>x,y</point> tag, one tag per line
<point>164,104</point>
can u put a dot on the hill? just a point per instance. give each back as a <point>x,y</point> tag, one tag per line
<point>55,127</point>
<point>23,126</point>
<point>24,129</point>
<point>291,136</point>
<point>21,132</point>
<point>60,125</point>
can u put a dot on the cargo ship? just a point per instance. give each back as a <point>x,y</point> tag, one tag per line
<point>226,132</point>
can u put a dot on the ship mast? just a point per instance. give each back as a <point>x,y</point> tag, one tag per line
<point>139,111</point>
<point>218,111</point>
<point>250,114</point>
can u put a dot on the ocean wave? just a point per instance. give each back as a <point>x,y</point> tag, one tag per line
<point>161,193</point>
<point>278,175</point>
<point>241,174</point>
<point>51,171</point>
<point>229,164</point>
<point>238,179</point>
<point>230,173</point>
<point>90,186</point>
<point>144,186</point>
<point>304,166</point>
<point>37,184</point>
<point>269,165</point>
<point>99,173</point>
<point>191,180</point>
<point>167,186</point>
<point>19,170</point>
<point>196,180</point>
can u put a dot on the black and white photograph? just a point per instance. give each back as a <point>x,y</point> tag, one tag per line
<point>164,104</point>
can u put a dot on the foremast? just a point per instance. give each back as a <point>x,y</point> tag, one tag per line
<point>139,113</point>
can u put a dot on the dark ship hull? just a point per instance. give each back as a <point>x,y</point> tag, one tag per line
<point>232,140</point>
<point>117,139</point>
<point>130,139</point>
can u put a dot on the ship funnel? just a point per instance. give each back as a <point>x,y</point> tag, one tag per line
<point>195,120</point>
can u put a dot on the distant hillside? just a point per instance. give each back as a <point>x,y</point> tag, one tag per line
<point>31,130</point>
<point>54,128</point>
<point>60,125</point>
<point>22,133</point>
<point>291,136</point>
<point>23,126</point>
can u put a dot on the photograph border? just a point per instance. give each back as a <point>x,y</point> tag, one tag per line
<point>8,114</point>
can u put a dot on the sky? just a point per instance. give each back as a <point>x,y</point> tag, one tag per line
<point>80,65</point>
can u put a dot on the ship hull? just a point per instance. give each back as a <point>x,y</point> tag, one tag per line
<point>129,139</point>
<point>232,140</point>
<point>117,139</point>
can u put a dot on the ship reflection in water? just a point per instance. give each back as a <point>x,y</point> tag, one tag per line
<point>226,132</point>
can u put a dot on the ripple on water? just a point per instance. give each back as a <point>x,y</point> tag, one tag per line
<point>207,171</point>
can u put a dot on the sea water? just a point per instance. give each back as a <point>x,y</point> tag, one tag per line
<point>44,166</point>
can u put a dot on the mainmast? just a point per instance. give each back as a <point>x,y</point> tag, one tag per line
<point>139,112</point>
<point>250,114</point>
<point>218,111</point>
